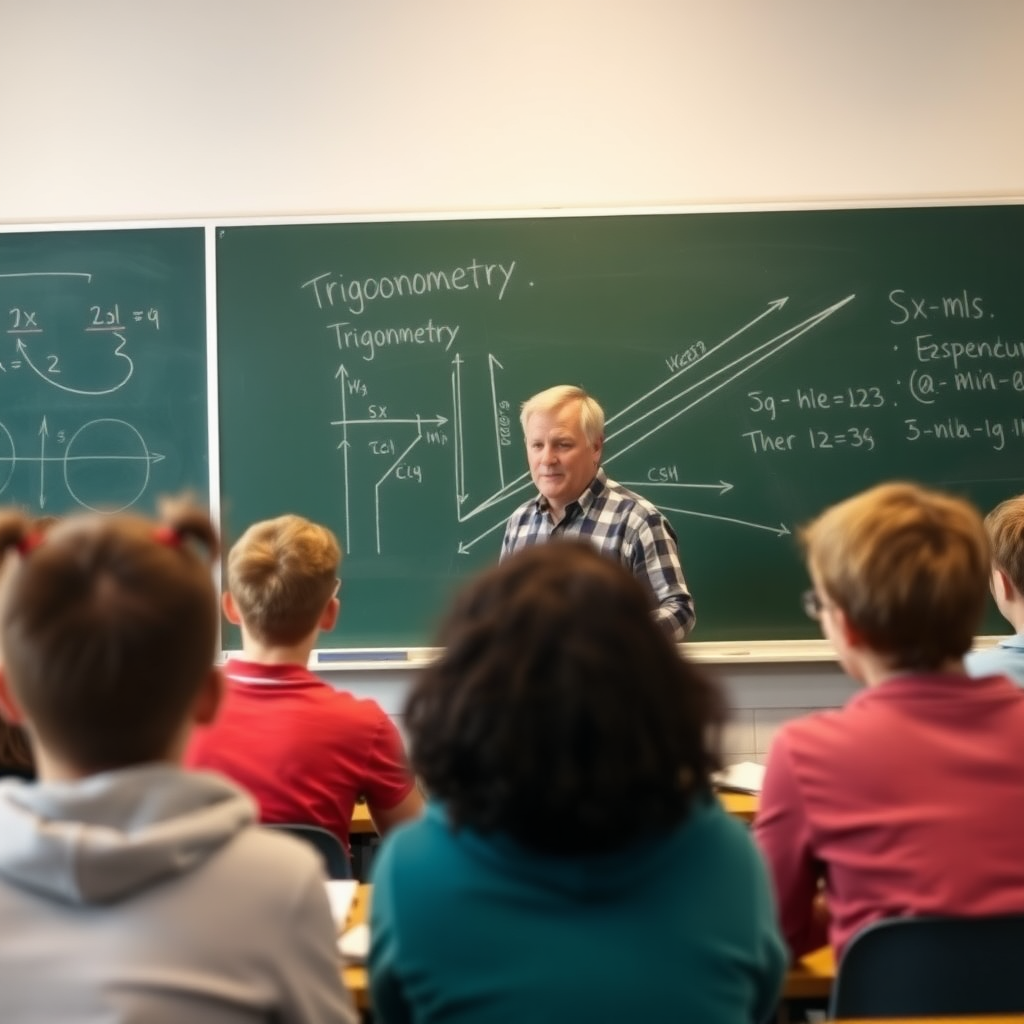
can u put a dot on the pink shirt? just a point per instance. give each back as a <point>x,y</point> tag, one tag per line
<point>910,800</point>
<point>304,750</point>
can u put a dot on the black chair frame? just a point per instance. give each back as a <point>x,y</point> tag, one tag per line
<point>327,844</point>
<point>932,966</point>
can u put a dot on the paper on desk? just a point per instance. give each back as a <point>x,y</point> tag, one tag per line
<point>355,943</point>
<point>744,777</point>
<point>340,894</point>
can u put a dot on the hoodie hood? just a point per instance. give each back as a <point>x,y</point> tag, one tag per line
<point>103,838</point>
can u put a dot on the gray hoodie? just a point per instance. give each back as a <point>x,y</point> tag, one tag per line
<point>148,895</point>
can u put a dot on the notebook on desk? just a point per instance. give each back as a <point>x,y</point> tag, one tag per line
<point>743,777</point>
<point>354,941</point>
<point>340,894</point>
<point>354,944</point>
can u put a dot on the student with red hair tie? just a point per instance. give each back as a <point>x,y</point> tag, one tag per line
<point>130,889</point>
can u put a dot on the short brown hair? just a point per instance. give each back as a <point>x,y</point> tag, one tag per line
<point>15,752</point>
<point>109,628</point>
<point>15,748</point>
<point>557,702</point>
<point>908,566</point>
<point>1005,528</point>
<point>281,574</point>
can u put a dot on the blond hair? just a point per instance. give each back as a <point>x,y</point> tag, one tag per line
<point>281,574</point>
<point>1005,527</point>
<point>591,414</point>
<point>909,568</point>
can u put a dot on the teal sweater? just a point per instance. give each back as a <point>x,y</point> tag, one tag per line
<point>471,928</point>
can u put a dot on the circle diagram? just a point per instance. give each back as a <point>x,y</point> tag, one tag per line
<point>8,458</point>
<point>106,465</point>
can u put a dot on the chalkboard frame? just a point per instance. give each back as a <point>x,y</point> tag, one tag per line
<point>341,657</point>
<point>191,234</point>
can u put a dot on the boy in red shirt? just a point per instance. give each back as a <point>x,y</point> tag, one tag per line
<point>908,800</point>
<point>304,750</point>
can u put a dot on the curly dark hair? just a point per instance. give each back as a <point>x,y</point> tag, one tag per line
<point>558,707</point>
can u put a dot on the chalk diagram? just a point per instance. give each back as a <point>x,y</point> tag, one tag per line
<point>701,371</point>
<point>104,462</point>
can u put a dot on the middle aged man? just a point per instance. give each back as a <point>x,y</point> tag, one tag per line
<point>564,431</point>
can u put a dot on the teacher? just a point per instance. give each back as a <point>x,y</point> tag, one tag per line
<point>564,431</point>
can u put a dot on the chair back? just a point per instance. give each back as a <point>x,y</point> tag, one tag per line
<point>932,966</point>
<point>336,862</point>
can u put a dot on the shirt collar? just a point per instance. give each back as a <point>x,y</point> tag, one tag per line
<point>238,670</point>
<point>584,502</point>
<point>1012,643</point>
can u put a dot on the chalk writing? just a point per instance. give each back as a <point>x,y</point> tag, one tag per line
<point>82,379</point>
<point>329,289</point>
<point>929,351</point>
<point>963,306</point>
<point>372,339</point>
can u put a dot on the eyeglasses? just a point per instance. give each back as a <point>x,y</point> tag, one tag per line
<point>813,603</point>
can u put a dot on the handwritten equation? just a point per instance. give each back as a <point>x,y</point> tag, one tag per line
<point>71,430</point>
<point>931,368</point>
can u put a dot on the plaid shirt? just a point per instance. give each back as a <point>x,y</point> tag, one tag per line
<point>624,526</point>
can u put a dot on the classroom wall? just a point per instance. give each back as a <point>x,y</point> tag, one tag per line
<point>115,109</point>
<point>762,696</point>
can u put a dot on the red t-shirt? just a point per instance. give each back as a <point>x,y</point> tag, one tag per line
<point>908,801</point>
<point>304,750</point>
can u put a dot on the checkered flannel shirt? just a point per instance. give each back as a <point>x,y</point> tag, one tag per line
<point>624,526</point>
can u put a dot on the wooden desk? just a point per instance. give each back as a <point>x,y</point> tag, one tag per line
<point>741,805</point>
<point>811,977</point>
<point>356,978</point>
<point>362,823</point>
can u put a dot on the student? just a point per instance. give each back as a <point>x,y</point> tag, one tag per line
<point>131,890</point>
<point>564,432</point>
<point>572,864</point>
<point>908,800</point>
<point>1005,527</point>
<point>306,751</point>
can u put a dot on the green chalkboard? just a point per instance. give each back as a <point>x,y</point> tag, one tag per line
<point>754,367</point>
<point>103,369</point>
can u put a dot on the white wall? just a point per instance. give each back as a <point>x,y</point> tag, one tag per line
<point>121,109</point>
<point>116,109</point>
<point>762,696</point>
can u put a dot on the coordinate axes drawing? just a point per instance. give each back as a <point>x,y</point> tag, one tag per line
<point>701,372</point>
